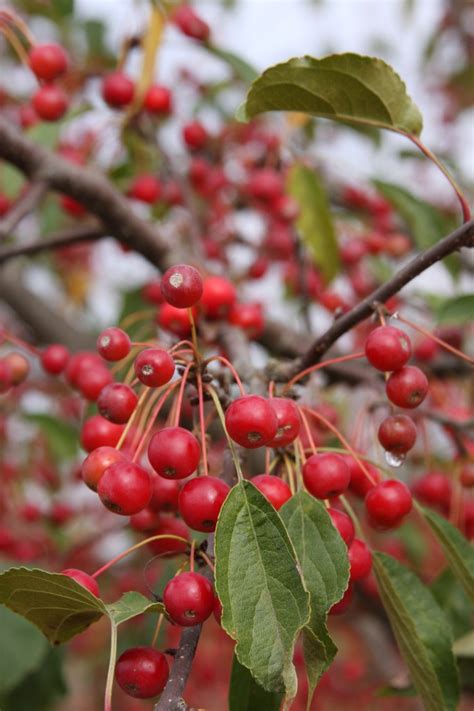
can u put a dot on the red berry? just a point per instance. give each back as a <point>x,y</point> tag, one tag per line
<point>200,502</point>
<point>360,560</point>
<point>151,292</point>
<point>407,387</point>
<point>189,599</point>
<point>116,402</point>
<point>387,348</point>
<point>467,475</point>
<point>50,102</point>
<point>146,188</point>
<point>326,475</point>
<point>92,382</point>
<point>48,61</point>
<point>142,672</point>
<point>181,286</point>
<point>28,117</point>
<point>190,23</point>
<point>174,320</point>
<point>125,488</point>
<point>145,520</point>
<point>72,207</point>
<point>387,503</point>
<point>6,376</point>
<point>165,494</point>
<point>174,453</point>
<point>87,581</point>
<point>339,607</point>
<point>266,184</point>
<point>360,483</point>
<point>426,349</point>
<point>218,297</point>
<point>158,100</point>
<point>169,526</point>
<point>195,135</point>
<point>81,363</point>
<point>99,432</point>
<point>434,489</point>
<point>273,488</point>
<point>251,421</point>
<point>154,367</point>
<point>397,434</point>
<point>5,205</point>
<point>344,525</point>
<point>95,464</point>
<point>117,90</point>
<point>113,344</point>
<point>19,367</point>
<point>288,421</point>
<point>352,251</point>
<point>248,317</point>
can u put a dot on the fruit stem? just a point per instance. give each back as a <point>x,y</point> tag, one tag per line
<point>308,431</point>
<point>135,547</point>
<point>437,340</point>
<point>15,43</point>
<point>291,474</point>
<point>205,557</point>
<point>159,624</point>
<point>232,450</point>
<point>9,17</point>
<point>318,366</point>
<point>191,556</point>
<point>151,420</point>
<point>229,365</point>
<point>110,672</point>
<point>194,335</point>
<point>353,516</point>
<point>466,210</point>
<point>344,441</point>
<point>179,399</point>
<point>202,423</point>
<point>132,417</point>
<point>21,343</point>
<point>142,315</point>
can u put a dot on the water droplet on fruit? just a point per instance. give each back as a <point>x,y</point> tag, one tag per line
<point>394,460</point>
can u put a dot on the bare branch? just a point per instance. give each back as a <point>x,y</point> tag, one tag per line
<point>72,235</point>
<point>23,206</point>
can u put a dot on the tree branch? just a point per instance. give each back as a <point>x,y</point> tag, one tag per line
<point>462,237</point>
<point>23,206</point>
<point>86,186</point>
<point>72,235</point>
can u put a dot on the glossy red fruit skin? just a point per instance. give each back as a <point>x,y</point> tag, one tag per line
<point>200,502</point>
<point>169,525</point>
<point>125,488</point>
<point>251,421</point>
<point>360,483</point>
<point>218,297</point>
<point>339,607</point>
<point>434,489</point>
<point>248,317</point>
<point>118,90</point>
<point>189,599</point>
<point>99,432</point>
<point>81,363</point>
<point>276,491</point>
<point>151,292</point>
<point>87,581</point>
<point>19,366</point>
<point>142,672</point>
<point>190,23</point>
<point>397,434</point>
<point>116,402</point>
<point>181,286</point>
<point>174,453</point>
<point>165,495</point>
<point>326,475</point>
<point>467,475</point>
<point>360,560</point>
<point>113,344</point>
<point>388,503</point>
<point>289,422</point>
<point>343,523</point>
<point>48,61</point>
<point>154,367</point>
<point>93,381</point>
<point>174,320</point>
<point>50,102</point>
<point>95,464</point>
<point>145,520</point>
<point>146,188</point>
<point>158,100</point>
<point>195,135</point>
<point>407,387</point>
<point>265,184</point>
<point>387,348</point>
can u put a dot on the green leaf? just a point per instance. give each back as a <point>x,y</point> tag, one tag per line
<point>46,133</point>
<point>314,222</point>
<point>422,632</point>
<point>258,583</point>
<point>242,69</point>
<point>39,690</point>
<point>130,605</point>
<point>457,549</point>
<point>343,87</point>
<point>454,602</point>
<point>246,695</point>
<point>22,649</point>
<point>60,436</point>
<point>56,604</point>
<point>458,310</point>
<point>11,180</point>
<point>322,555</point>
